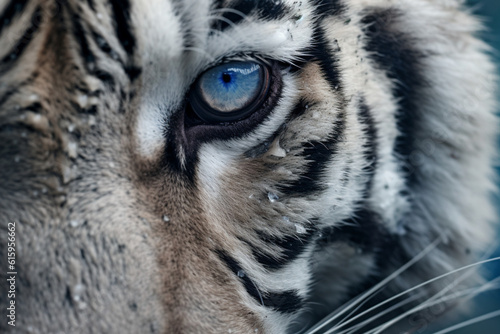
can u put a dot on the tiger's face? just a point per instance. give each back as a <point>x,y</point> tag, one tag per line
<point>236,166</point>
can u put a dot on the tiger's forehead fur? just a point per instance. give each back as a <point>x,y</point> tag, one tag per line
<point>377,139</point>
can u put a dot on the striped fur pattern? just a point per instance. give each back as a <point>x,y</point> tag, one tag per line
<point>376,139</point>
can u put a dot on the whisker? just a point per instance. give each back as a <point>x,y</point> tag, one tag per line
<point>384,312</point>
<point>229,10</point>
<point>334,315</point>
<point>470,322</point>
<point>416,287</point>
<point>258,292</point>
<point>223,19</point>
<point>468,292</point>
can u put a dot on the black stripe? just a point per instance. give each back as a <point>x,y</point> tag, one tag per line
<point>131,71</point>
<point>91,4</point>
<point>5,97</point>
<point>328,62</point>
<point>264,9</point>
<point>324,8</point>
<point>184,14</point>
<point>318,154</point>
<point>393,52</point>
<point>367,233</point>
<point>16,52</point>
<point>235,267</point>
<point>121,13</point>
<point>285,302</point>
<point>103,44</point>
<point>364,230</point>
<point>298,110</point>
<point>10,12</point>
<point>16,88</point>
<point>81,40</point>
<point>292,247</point>
<point>370,145</point>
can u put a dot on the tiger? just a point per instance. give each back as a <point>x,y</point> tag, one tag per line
<point>242,166</point>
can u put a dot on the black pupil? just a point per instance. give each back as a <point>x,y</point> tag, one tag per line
<point>226,77</point>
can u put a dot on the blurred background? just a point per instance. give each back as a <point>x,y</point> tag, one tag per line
<point>489,11</point>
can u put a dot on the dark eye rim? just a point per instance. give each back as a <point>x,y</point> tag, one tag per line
<point>211,116</point>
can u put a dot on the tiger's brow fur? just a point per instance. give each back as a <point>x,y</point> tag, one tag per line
<point>378,140</point>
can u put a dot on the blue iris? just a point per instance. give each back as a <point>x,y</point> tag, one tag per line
<point>232,86</point>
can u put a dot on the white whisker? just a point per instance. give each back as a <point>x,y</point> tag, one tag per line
<point>416,287</point>
<point>468,292</point>
<point>470,322</point>
<point>386,311</point>
<point>229,10</point>
<point>334,315</point>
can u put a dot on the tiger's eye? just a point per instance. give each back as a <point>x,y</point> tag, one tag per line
<point>230,92</point>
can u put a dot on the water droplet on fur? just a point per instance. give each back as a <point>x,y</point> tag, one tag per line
<point>36,118</point>
<point>78,291</point>
<point>72,149</point>
<point>92,120</point>
<point>276,150</point>
<point>241,273</point>
<point>335,46</point>
<point>272,197</point>
<point>82,305</point>
<point>74,223</point>
<point>82,100</point>
<point>71,127</point>
<point>300,229</point>
<point>69,174</point>
<point>166,219</point>
<point>34,98</point>
<point>99,16</point>
<point>251,196</point>
<point>286,219</point>
<point>401,230</point>
<point>306,106</point>
<point>111,165</point>
<point>297,18</point>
